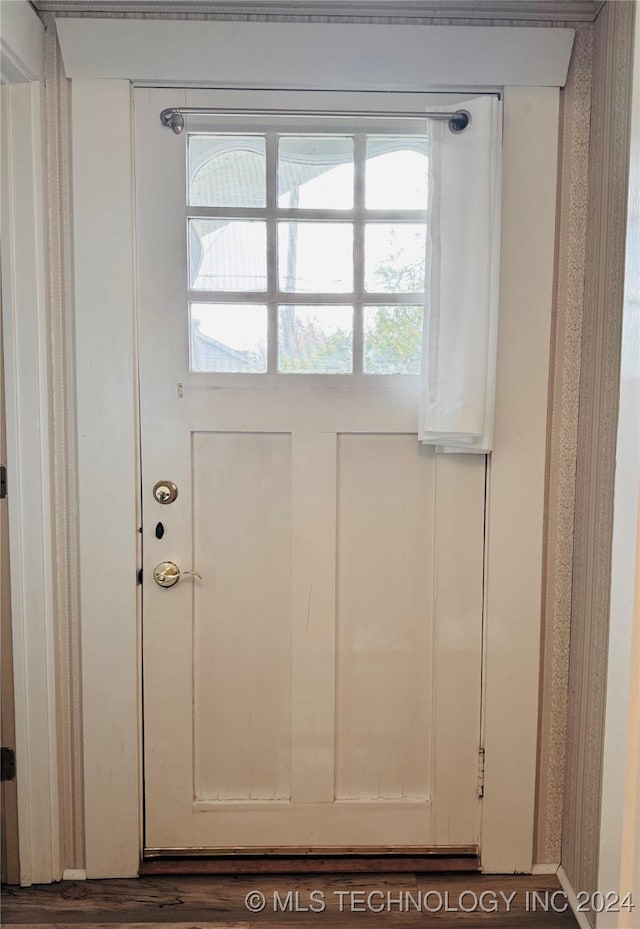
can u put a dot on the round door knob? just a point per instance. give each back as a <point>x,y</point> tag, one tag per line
<point>167,573</point>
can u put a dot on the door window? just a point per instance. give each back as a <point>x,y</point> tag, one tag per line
<point>306,252</point>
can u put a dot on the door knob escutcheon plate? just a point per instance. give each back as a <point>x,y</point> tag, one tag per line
<point>167,573</point>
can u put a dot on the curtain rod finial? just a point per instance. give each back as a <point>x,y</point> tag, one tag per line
<point>460,121</point>
<point>173,119</point>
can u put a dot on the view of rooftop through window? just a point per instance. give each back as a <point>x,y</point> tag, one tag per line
<point>307,252</point>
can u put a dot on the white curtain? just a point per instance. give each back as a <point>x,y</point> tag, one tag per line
<point>461,314</point>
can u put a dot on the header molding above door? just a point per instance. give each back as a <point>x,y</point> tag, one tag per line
<point>294,55</point>
<point>523,10</point>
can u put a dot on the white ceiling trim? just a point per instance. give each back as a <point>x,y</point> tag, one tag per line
<point>518,10</point>
<point>314,56</point>
<point>21,43</point>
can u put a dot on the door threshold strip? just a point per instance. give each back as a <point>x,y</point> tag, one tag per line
<point>306,864</point>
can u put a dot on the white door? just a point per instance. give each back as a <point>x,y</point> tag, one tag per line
<point>319,685</point>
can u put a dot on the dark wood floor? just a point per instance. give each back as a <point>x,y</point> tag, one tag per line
<point>219,902</point>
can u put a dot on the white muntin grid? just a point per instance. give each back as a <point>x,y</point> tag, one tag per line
<point>357,217</point>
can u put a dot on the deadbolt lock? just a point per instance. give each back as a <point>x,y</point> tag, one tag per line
<point>165,491</point>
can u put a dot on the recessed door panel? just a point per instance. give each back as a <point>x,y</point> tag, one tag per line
<point>384,618</point>
<point>242,616</point>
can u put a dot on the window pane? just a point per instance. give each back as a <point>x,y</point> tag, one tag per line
<point>396,176</point>
<point>392,339</point>
<point>227,255</point>
<point>227,170</point>
<point>315,339</point>
<point>315,257</point>
<point>228,337</point>
<point>394,257</point>
<point>315,172</point>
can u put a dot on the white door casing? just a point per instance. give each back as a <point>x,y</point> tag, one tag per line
<point>102,169</point>
<point>28,420</point>
<point>320,686</point>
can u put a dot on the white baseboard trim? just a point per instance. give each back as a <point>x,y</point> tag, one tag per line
<point>565,883</point>
<point>74,874</point>
<point>545,869</point>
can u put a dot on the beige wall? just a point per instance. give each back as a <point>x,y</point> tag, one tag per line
<point>564,391</point>
<point>599,384</point>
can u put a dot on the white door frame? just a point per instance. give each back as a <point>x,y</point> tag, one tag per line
<point>24,306</point>
<point>101,72</point>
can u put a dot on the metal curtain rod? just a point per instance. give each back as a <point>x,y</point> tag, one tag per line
<point>173,117</point>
